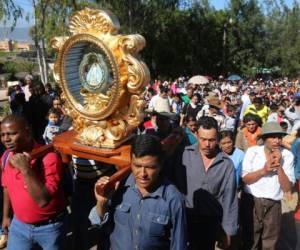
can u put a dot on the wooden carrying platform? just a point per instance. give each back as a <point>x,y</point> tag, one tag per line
<point>67,145</point>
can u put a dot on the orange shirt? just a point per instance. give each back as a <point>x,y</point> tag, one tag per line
<point>251,137</point>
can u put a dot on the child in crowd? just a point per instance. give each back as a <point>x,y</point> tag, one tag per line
<point>230,118</point>
<point>53,125</point>
<point>177,104</point>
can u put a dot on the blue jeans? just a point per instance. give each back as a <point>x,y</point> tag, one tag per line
<point>26,237</point>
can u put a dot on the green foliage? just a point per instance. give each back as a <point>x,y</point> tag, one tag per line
<point>10,67</point>
<point>28,66</point>
<point>7,54</point>
<point>16,66</point>
<point>9,10</point>
<point>5,110</point>
<point>191,37</point>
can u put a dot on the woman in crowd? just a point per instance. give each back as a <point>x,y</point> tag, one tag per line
<point>249,134</point>
<point>190,129</point>
<point>193,107</point>
<point>235,154</point>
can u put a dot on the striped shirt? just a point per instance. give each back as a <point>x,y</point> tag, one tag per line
<point>85,169</point>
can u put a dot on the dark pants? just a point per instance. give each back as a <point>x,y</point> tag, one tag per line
<point>83,201</point>
<point>260,220</point>
<point>203,234</point>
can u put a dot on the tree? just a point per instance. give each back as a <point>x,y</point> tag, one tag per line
<point>9,10</point>
<point>246,37</point>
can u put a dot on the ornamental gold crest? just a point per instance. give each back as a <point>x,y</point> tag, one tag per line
<point>101,78</point>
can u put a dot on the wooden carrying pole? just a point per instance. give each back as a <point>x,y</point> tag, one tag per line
<point>41,151</point>
<point>121,174</point>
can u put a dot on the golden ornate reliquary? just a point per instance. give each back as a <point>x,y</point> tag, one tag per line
<point>101,78</point>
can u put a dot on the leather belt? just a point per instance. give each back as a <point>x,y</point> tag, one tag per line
<point>57,218</point>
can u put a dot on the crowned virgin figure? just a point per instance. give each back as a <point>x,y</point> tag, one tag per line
<point>95,74</point>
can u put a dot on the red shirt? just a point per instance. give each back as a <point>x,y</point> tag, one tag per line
<point>24,207</point>
<point>148,124</point>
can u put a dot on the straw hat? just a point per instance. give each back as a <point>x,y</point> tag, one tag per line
<point>214,102</point>
<point>233,89</point>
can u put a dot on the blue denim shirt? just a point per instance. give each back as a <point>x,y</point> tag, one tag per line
<point>157,221</point>
<point>237,157</point>
<point>296,152</point>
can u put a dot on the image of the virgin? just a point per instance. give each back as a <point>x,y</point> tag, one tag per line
<point>94,75</point>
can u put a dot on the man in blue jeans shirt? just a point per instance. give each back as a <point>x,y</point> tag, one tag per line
<point>147,212</point>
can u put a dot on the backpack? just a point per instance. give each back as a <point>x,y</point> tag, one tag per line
<point>4,158</point>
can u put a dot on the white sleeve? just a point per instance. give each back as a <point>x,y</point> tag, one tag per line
<point>247,165</point>
<point>152,102</point>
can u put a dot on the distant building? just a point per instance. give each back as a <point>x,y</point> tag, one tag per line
<point>9,46</point>
<point>6,45</point>
<point>23,46</point>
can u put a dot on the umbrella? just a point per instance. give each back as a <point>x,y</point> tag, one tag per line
<point>234,78</point>
<point>200,80</point>
<point>209,78</point>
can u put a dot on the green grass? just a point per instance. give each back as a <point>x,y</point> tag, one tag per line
<point>4,109</point>
<point>6,54</point>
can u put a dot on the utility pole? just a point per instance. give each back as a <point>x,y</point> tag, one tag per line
<point>130,16</point>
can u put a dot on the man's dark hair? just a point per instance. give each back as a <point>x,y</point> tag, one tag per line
<point>298,133</point>
<point>57,98</point>
<point>274,107</point>
<point>231,108</point>
<point>252,117</point>
<point>225,134</point>
<point>147,145</point>
<point>163,89</point>
<point>19,120</point>
<point>189,118</point>
<point>54,111</point>
<point>197,95</point>
<point>297,102</point>
<point>207,122</point>
<point>284,125</point>
<point>258,100</point>
<point>178,96</point>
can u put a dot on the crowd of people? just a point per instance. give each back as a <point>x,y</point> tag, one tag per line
<point>211,165</point>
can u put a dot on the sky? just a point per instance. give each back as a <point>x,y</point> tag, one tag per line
<point>26,5</point>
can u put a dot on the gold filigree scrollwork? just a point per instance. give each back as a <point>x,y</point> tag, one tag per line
<point>89,20</point>
<point>57,42</point>
<point>138,73</point>
<point>134,116</point>
<point>102,119</point>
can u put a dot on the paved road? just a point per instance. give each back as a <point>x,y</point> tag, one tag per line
<point>3,95</point>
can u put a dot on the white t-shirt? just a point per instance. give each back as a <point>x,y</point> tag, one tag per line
<point>267,186</point>
<point>160,104</point>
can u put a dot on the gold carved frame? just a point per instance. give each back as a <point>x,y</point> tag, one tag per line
<point>105,120</point>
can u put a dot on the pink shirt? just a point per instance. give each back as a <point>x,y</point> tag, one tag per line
<point>24,207</point>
